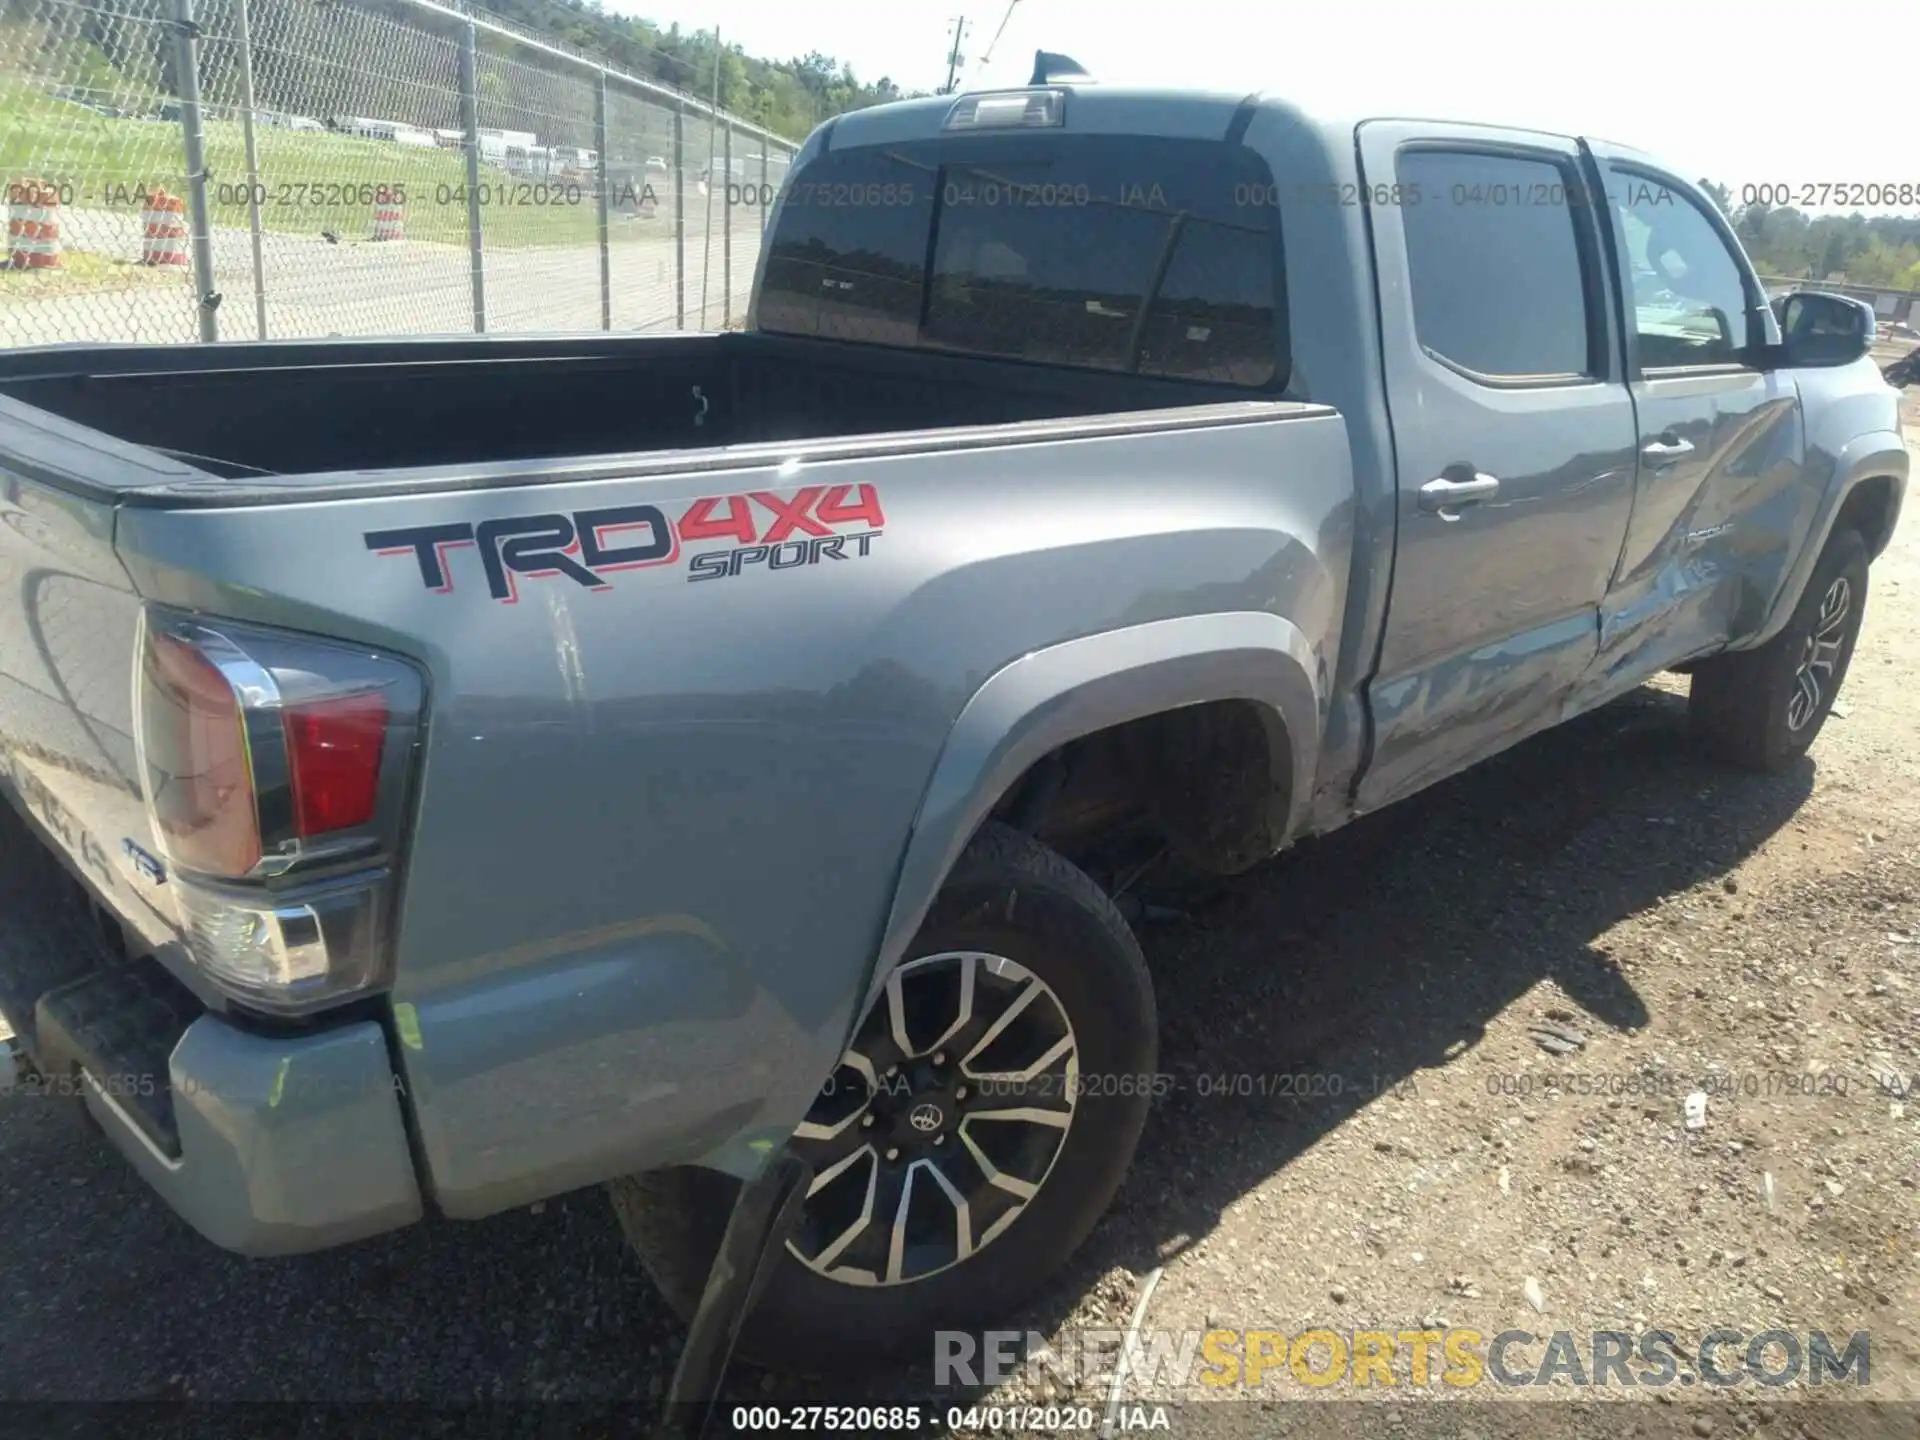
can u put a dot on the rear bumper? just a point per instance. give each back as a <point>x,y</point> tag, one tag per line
<point>267,1145</point>
<point>278,1145</point>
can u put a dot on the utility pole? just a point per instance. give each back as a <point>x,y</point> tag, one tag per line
<point>993,43</point>
<point>954,58</point>
<point>706,232</point>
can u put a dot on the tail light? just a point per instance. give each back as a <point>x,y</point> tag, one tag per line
<point>276,770</point>
<point>333,752</point>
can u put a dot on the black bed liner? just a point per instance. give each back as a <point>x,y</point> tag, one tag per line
<point>274,408</point>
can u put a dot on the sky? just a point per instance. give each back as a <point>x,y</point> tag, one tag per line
<point>1715,89</point>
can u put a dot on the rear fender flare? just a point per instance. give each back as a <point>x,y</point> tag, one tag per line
<point>1043,700</point>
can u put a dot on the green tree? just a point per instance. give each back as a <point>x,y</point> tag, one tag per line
<point>1891,266</point>
<point>1878,250</point>
<point>787,97</point>
<point>1834,252</point>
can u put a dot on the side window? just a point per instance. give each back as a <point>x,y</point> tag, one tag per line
<point>1498,284</point>
<point>1689,300</point>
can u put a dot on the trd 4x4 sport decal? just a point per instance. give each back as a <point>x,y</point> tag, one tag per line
<point>817,523</point>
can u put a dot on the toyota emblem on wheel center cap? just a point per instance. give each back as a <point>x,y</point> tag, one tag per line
<point>926,1118</point>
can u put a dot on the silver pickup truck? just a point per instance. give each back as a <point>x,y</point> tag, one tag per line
<point>456,806</point>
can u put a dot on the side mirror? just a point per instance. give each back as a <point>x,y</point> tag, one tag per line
<point>1822,329</point>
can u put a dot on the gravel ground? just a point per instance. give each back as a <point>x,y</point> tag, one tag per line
<point>1745,935</point>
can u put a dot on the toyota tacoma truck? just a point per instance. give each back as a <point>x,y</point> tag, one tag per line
<point>425,806</point>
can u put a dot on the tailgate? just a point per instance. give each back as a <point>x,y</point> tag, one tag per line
<point>68,616</point>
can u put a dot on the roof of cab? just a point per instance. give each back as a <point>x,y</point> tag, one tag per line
<point>1127,109</point>
<point>1091,109</point>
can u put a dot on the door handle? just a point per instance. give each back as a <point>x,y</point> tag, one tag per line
<point>1439,497</point>
<point>1665,452</point>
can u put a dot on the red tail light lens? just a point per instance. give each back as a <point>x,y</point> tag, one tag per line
<point>196,755</point>
<point>333,752</point>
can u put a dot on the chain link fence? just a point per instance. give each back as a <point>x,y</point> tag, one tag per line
<point>249,169</point>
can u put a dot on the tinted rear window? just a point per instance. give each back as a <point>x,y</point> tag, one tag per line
<point>1103,252</point>
<point>1494,255</point>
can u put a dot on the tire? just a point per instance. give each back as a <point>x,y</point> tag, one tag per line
<point>1008,897</point>
<point>1761,709</point>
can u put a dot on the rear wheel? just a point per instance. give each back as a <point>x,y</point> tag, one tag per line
<point>976,1129</point>
<point>1762,708</point>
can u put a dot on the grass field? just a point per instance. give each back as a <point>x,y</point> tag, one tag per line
<point>80,273</point>
<point>307,183</point>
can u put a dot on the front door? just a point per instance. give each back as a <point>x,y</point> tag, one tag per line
<point>1514,440</point>
<point>1722,487</point>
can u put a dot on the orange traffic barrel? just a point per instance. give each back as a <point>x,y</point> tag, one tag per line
<point>164,223</point>
<point>33,225</point>
<point>388,221</point>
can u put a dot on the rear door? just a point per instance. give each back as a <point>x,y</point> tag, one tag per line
<point>1514,438</point>
<point>1722,487</point>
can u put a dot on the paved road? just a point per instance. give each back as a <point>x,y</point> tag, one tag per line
<point>414,287</point>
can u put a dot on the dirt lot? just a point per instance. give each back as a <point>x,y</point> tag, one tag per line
<point>1697,929</point>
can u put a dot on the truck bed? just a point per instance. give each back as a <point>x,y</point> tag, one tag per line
<point>778,570</point>
<point>330,406</point>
